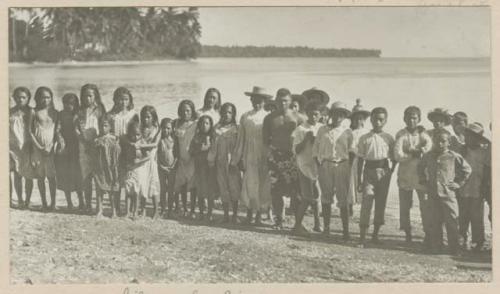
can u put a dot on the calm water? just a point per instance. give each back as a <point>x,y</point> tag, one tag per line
<point>458,84</point>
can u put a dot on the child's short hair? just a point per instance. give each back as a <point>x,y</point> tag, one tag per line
<point>165,121</point>
<point>217,104</point>
<point>224,108</point>
<point>38,96</point>
<point>282,93</point>
<point>109,119</point>
<point>313,106</point>
<point>460,115</point>
<point>378,110</point>
<point>71,98</point>
<point>24,90</point>
<point>120,91</point>
<point>440,132</point>
<point>194,114</point>
<point>412,110</point>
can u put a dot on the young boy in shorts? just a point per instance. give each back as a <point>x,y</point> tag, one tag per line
<point>375,151</point>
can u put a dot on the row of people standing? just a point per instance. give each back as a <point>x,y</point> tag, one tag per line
<point>299,141</point>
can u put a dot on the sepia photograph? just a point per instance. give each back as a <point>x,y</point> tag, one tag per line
<point>250,144</point>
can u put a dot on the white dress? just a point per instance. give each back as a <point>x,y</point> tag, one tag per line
<point>256,187</point>
<point>354,196</point>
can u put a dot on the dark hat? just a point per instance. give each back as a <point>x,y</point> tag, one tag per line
<point>436,112</point>
<point>259,91</point>
<point>359,109</point>
<point>476,129</point>
<point>340,106</point>
<point>314,91</point>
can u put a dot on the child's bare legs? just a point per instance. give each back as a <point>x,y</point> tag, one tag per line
<point>235,212</point>
<point>99,196</point>
<point>28,186</point>
<point>210,202</point>
<point>18,186</point>
<point>128,204</point>
<point>184,201</point>
<point>112,201</point>
<point>193,202</point>
<point>87,190</point>
<point>41,188</point>
<point>81,201</point>
<point>68,199</point>
<point>52,190</point>
<point>201,206</point>
<point>117,199</point>
<point>315,209</point>
<point>163,190</point>
<point>156,208</point>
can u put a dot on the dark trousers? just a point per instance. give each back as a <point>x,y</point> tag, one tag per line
<point>471,212</point>
<point>444,210</point>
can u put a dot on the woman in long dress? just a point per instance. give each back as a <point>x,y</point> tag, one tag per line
<point>250,155</point>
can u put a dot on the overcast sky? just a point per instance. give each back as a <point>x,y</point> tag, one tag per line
<point>397,31</point>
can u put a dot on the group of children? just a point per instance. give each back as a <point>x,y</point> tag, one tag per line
<point>292,146</point>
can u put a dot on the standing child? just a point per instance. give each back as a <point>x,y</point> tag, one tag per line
<point>106,172</point>
<point>121,114</point>
<point>411,143</point>
<point>204,175</point>
<point>19,143</point>
<point>211,104</point>
<point>134,160</point>
<point>250,156</point>
<point>459,123</point>
<point>149,183</point>
<point>42,132</point>
<point>87,130</point>
<point>472,199</point>
<point>375,150</point>
<point>303,139</point>
<point>358,118</point>
<point>184,130</point>
<point>331,153</point>
<point>66,160</point>
<point>219,156</point>
<point>166,167</point>
<point>443,172</point>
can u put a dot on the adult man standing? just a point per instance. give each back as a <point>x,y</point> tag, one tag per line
<point>277,130</point>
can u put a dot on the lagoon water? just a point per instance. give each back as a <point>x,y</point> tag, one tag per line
<point>457,84</point>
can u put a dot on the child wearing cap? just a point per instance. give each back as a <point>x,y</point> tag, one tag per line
<point>375,150</point>
<point>303,139</point>
<point>331,153</point>
<point>472,200</point>
<point>443,172</point>
<point>411,143</point>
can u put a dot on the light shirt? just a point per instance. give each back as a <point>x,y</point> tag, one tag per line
<point>305,160</point>
<point>332,144</point>
<point>356,134</point>
<point>407,171</point>
<point>376,146</point>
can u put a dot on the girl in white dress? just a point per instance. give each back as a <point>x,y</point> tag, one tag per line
<point>19,117</point>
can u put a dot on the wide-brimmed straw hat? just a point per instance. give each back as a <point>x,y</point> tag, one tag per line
<point>340,106</point>
<point>359,109</point>
<point>440,112</point>
<point>315,91</point>
<point>259,91</point>
<point>477,130</point>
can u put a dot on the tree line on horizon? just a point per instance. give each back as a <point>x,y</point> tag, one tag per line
<point>275,51</point>
<point>130,33</point>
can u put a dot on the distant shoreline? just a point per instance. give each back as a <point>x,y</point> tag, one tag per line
<point>180,61</point>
